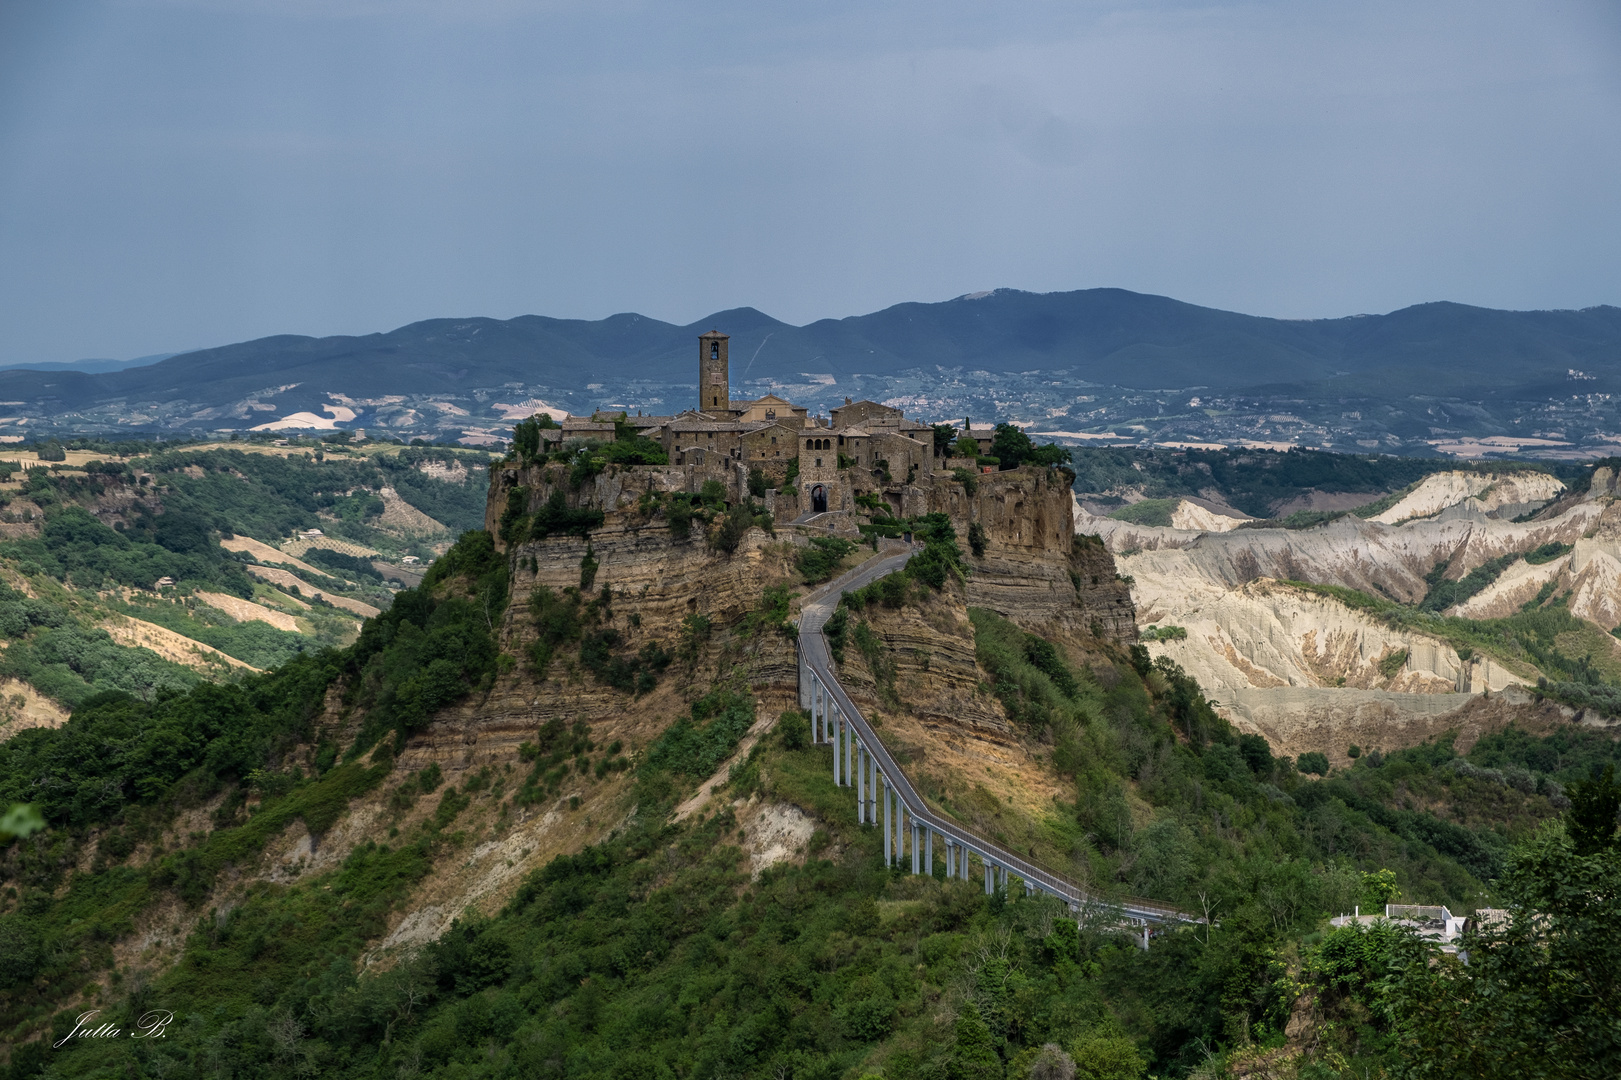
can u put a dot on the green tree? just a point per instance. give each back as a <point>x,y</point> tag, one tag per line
<point>733,526</point>
<point>943,436</point>
<point>526,439</point>
<point>1050,455</point>
<point>1010,446</point>
<point>1379,887</point>
<point>20,820</point>
<point>1594,805</point>
<point>974,1056</point>
<point>1106,1058</point>
<point>1540,995</point>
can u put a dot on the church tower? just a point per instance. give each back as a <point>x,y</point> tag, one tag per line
<point>714,373</point>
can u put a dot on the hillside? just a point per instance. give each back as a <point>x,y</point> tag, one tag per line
<point>150,572</point>
<point>1380,625</point>
<point>1296,488</point>
<point>462,378</point>
<point>555,812</point>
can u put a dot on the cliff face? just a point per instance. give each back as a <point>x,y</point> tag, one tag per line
<point>933,698</point>
<point>614,488</point>
<point>1034,569</point>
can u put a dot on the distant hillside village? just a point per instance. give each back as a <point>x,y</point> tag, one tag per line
<point>816,465</point>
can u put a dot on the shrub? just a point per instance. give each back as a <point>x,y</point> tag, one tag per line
<point>679,516</point>
<point>821,558</point>
<point>976,539</point>
<point>696,744</point>
<point>1314,762</point>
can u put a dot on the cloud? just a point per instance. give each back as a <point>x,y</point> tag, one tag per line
<point>191,171</point>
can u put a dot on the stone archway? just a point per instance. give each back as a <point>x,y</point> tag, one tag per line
<point>818,499</point>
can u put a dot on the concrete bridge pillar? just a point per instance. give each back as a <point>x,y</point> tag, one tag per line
<point>872,785</point>
<point>963,872</point>
<point>915,860</point>
<point>816,710</point>
<point>861,782</point>
<point>928,849</point>
<point>990,877</point>
<point>951,858</point>
<point>849,749</point>
<point>833,733</point>
<point>888,822</point>
<point>893,795</point>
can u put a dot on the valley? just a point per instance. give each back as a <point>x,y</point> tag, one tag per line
<point>544,801</point>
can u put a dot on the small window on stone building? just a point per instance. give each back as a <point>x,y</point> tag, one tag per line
<point>818,463</point>
<point>714,350</point>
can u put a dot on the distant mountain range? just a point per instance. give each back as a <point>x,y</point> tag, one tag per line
<point>1108,337</point>
<point>93,366</point>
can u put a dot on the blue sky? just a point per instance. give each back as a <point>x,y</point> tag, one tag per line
<point>183,173</point>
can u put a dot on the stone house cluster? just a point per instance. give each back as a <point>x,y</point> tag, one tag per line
<point>814,464</point>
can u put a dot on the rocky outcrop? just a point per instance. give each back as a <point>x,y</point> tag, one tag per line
<point>1504,495</point>
<point>1030,569</point>
<point>933,674</point>
<point>1193,515</point>
<point>1366,555</point>
<point>1287,662</point>
<point>1033,569</point>
<point>1266,635</point>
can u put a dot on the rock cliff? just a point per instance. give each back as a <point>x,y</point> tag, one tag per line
<point>933,698</point>
<point>1289,662</point>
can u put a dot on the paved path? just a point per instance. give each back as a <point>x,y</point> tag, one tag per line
<point>816,667</point>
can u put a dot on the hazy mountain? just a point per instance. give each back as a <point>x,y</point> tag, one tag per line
<point>91,366</point>
<point>1107,336</point>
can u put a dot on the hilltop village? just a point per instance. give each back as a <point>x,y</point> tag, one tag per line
<point>814,465</point>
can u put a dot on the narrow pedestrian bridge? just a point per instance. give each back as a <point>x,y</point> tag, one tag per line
<point>886,798</point>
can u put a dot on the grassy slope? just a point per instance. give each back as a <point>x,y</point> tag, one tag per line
<point>83,576</point>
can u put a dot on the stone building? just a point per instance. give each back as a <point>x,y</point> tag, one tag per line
<point>860,448</point>
<point>714,372</point>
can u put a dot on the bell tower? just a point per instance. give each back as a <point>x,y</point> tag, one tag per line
<point>714,373</point>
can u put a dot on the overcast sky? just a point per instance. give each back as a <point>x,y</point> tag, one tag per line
<point>183,173</point>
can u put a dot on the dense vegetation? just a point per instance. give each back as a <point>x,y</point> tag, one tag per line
<point>124,766</point>
<point>114,531</point>
<point>655,954</point>
<point>54,652</point>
